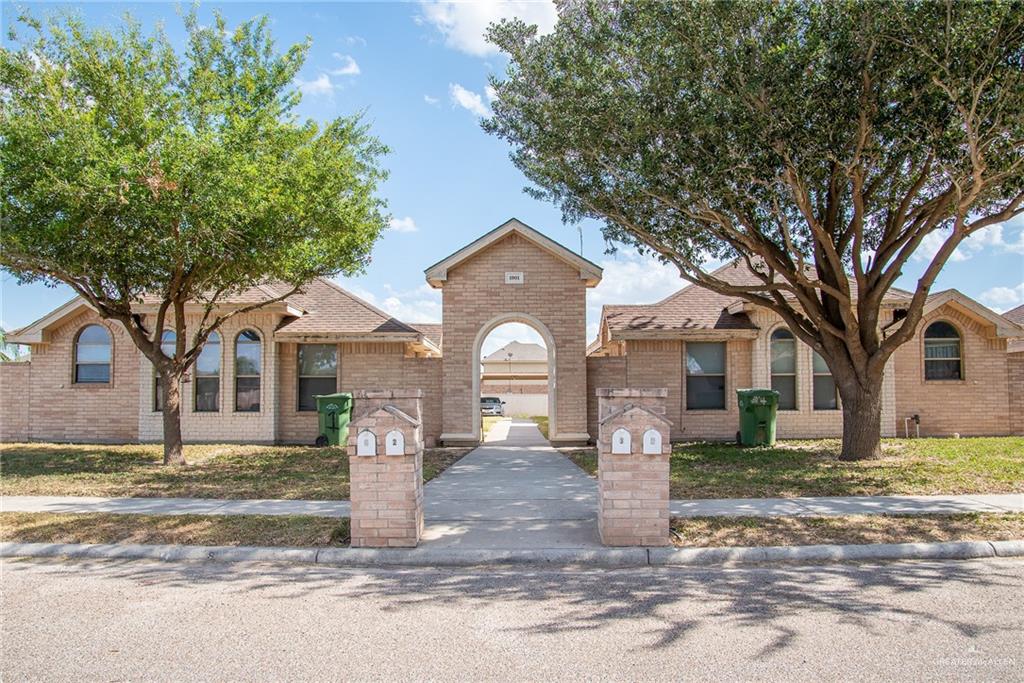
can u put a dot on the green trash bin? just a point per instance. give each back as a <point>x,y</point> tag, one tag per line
<point>334,412</point>
<point>757,416</point>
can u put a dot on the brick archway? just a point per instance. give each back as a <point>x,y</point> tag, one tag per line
<point>514,274</point>
<point>549,343</point>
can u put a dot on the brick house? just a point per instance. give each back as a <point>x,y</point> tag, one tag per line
<point>256,380</point>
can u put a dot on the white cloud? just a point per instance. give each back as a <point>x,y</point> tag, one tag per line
<point>630,278</point>
<point>321,85</point>
<point>464,24</point>
<point>432,101</point>
<point>1002,299</point>
<point>406,224</point>
<point>358,41</point>
<point>490,92</point>
<point>999,238</point>
<point>419,305</point>
<point>468,100</point>
<point>348,66</point>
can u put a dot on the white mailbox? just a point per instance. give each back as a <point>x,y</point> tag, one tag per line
<point>394,443</point>
<point>652,442</point>
<point>366,443</point>
<point>621,441</point>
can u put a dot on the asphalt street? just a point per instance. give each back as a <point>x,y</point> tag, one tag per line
<point>134,620</point>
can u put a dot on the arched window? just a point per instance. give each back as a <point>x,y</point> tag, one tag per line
<point>248,357</point>
<point>208,376</point>
<point>826,397</point>
<point>167,345</point>
<point>783,350</point>
<point>92,355</point>
<point>942,359</point>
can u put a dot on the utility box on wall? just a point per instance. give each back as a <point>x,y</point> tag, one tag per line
<point>632,467</point>
<point>385,453</point>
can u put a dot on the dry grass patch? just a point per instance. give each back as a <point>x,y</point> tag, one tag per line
<point>853,529</point>
<point>542,424</point>
<point>261,530</point>
<point>214,471</point>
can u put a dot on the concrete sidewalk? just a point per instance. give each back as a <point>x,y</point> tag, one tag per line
<point>483,508</point>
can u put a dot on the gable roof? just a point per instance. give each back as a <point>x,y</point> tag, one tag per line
<point>516,351</point>
<point>331,311</point>
<point>589,271</point>
<point>322,310</point>
<point>1015,315</point>
<point>35,332</point>
<point>692,309</point>
<point>1004,326</point>
<point>696,310</point>
<point>431,331</point>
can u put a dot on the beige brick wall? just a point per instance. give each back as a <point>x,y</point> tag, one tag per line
<point>15,384</point>
<point>977,405</point>
<point>805,422</point>
<point>475,293</point>
<point>225,425</point>
<point>1015,378</point>
<point>602,372</point>
<point>61,410</point>
<point>662,363</point>
<point>361,365</point>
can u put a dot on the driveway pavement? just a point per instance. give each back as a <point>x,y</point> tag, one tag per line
<point>514,491</point>
<point>94,621</point>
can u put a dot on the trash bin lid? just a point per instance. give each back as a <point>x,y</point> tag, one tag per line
<point>342,398</point>
<point>757,392</point>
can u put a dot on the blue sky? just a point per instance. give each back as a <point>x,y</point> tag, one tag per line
<point>419,71</point>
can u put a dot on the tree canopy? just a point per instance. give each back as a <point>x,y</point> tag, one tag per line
<point>821,142</point>
<point>131,169</point>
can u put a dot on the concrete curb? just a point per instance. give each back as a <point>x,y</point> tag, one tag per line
<point>602,557</point>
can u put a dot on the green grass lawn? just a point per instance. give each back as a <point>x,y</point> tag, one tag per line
<point>214,471</point>
<point>266,530</point>
<point>810,468</point>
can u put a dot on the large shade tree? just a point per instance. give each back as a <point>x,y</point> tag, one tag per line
<point>131,169</point>
<point>821,143</point>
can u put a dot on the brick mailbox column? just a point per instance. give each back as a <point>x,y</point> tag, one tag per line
<point>632,467</point>
<point>385,455</point>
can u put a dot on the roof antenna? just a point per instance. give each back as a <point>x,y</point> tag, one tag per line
<point>579,228</point>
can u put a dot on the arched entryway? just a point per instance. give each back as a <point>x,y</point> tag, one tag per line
<point>549,344</point>
<point>514,274</point>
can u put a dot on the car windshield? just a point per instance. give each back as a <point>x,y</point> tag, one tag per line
<point>489,400</point>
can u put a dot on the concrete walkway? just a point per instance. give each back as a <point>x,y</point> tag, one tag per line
<point>514,491</point>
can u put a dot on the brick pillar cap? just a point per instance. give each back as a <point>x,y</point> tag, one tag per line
<point>632,393</point>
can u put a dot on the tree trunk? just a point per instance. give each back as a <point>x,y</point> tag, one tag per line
<point>862,421</point>
<point>173,452</point>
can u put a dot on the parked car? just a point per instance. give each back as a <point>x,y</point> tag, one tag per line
<point>492,405</point>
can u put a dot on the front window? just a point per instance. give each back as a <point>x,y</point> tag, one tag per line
<point>92,355</point>
<point>248,353</point>
<point>942,360</point>
<point>208,376</point>
<point>705,376</point>
<point>826,397</point>
<point>318,373</point>
<point>167,346</point>
<point>783,350</point>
